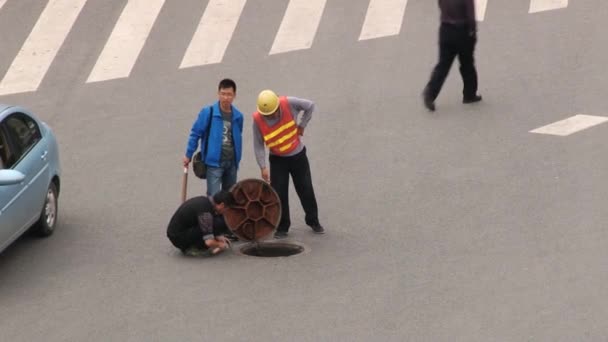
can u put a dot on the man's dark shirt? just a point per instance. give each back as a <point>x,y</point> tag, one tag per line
<point>458,12</point>
<point>196,212</point>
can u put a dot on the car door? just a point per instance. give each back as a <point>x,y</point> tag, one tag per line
<point>9,219</point>
<point>28,155</point>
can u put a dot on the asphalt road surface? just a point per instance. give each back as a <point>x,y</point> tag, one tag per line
<point>457,225</point>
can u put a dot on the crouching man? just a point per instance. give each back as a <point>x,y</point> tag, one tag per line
<point>198,225</point>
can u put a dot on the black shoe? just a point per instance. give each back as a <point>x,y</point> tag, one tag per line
<point>473,99</point>
<point>280,235</point>
<point>428,103</point>
<point>318,229</point>
<point>195,252</point>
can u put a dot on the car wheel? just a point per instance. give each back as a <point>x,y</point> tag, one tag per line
<point>48,217</point>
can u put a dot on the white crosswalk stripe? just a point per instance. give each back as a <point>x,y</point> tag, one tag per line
<point>299,26</point>
<point>547,5</point>
<point>127,40</point>
<point>208,45</point>
<point>480,9</point>
<point>383,18</point>
<point>40,48</point>
<point>571,125</point>
<point>213,33</point>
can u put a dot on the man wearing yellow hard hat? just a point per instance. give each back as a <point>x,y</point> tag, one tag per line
<point>275,126</point>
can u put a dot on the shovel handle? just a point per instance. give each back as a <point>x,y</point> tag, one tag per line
<point>184,184</point>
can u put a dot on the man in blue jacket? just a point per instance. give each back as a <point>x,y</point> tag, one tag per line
<point>222,123</point>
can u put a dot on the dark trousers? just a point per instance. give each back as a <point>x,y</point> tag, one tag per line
<point>454,41</point>
<point>298,167</point>
<point>191,237</point>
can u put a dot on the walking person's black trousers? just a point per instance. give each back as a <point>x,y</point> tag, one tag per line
<point>454,40</point>
<point>298,167</point>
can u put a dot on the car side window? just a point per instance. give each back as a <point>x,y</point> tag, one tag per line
<point>24,134</point>
<point>3,150</point>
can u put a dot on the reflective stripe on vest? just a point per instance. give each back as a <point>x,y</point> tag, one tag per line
<point>284,138</point>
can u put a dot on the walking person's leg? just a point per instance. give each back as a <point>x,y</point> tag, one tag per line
<point>302,180</point>
<point>279,180</point>
<point>447,53</point>
<point>466,57</point>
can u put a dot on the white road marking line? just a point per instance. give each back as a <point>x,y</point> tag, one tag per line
<point>126,41</point>
<point>480,9</point>
<point>546,5</point>
<point>2,2</point>
<point>299,26</point>
<point>383,18</point>
<point>571,125</point>
<point>40,48</point>
<point>214,32</point>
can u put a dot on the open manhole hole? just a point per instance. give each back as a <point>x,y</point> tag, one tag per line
<point>272,249</point>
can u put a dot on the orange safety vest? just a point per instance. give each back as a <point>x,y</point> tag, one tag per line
<point>282,137</point>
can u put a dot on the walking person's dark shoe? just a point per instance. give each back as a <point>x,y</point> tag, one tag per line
<point>473,99</point>
<point>428,103</point>
<point>280,235</point>
<point>318,229</point>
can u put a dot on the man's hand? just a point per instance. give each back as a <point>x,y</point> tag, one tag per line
<point>300,130</point>
<point>211,243</point>
<point>219,244</point>
<point>224,240</point>
<point>186,161</point>
<point>266,175</point>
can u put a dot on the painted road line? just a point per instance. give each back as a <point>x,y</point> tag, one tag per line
<point>126,41</point>
<point>40,48</point>
<point>299,26</point>
<point>214,32</point>
<point>2,2</point>
<point>546,5</point>
<point>480,9</point>
<point>383,18</point>
<point>571,125</point>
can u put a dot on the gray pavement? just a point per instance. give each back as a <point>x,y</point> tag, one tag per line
<point>457,225</point>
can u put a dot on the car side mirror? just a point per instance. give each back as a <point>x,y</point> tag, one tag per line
<point>11,177</point>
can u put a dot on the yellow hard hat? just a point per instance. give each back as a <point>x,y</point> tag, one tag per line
<point>268,102</point>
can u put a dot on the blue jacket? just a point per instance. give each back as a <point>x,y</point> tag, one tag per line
<point>214,147</point>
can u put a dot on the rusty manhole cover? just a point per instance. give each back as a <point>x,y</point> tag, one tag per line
<point>257,211</point>
<point>255,216</point>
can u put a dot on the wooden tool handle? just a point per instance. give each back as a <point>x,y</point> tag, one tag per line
<point>184,184</point>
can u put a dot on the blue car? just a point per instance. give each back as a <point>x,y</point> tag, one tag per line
<point>29,175</point>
